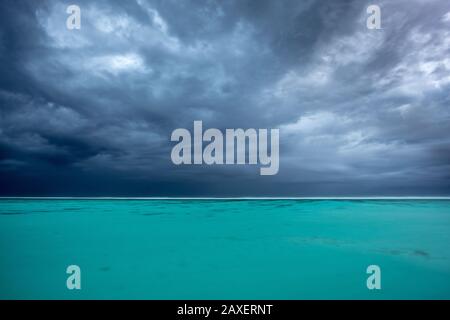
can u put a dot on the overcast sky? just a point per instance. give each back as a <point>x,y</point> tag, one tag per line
<point>90,112</point>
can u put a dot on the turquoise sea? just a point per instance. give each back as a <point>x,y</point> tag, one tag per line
<point>224,249</point>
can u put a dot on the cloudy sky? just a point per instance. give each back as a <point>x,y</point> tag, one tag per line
<point>90,112</point>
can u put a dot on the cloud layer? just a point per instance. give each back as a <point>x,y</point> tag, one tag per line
<point>90,111</point>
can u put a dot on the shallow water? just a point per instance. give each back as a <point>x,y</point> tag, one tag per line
<point>224,249</point>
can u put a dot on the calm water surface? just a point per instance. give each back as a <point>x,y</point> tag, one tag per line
<point>223,249</point>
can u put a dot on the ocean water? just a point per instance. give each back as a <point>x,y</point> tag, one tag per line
<point>224,249</point>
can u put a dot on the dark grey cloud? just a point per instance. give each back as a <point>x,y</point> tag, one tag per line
<point>90,111</point>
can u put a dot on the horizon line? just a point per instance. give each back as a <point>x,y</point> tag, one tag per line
<point>237,198</point>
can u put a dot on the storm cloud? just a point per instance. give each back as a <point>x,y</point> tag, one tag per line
<point>91,111</point>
